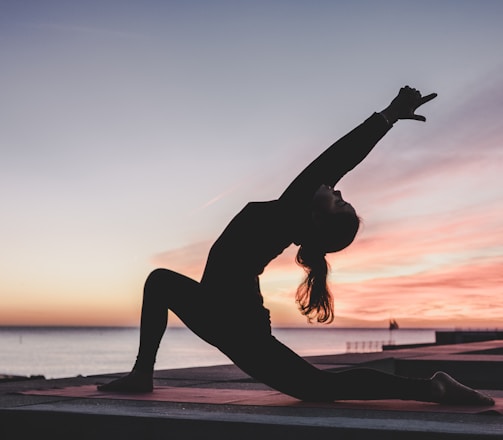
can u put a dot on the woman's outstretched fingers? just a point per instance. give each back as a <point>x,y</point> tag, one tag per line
<point>404,105</point>
<point>449,391</point>
<point>419,102</point>
<point>428,98</point>
<point>422,100</point>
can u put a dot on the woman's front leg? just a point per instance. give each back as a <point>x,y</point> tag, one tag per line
<point>163,290</point>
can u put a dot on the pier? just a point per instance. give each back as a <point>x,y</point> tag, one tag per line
<point>222,402</point>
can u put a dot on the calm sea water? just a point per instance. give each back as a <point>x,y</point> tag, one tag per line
<point>56,352</point>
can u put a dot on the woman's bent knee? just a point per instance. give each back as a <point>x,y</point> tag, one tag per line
<point>156,276</point>
<point>167,280</point>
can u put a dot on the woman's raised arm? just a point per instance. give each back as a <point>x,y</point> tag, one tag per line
<point>351,149</point>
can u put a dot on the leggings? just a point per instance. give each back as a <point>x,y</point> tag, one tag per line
<point>257,353</point>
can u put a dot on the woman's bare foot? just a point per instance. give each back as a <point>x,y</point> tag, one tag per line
<point>448,391</point>
<point>134,382</point>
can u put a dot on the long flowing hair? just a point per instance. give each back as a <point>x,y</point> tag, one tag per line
<point>313,294</point>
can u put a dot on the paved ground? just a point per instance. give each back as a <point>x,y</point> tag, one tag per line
<point>223,403</point>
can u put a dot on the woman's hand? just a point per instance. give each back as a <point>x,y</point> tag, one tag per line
<point>405,105</point>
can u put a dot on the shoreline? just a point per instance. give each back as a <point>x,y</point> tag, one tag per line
<point>18,378</point>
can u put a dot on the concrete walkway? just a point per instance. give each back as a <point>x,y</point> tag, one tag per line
<point>223,403</point>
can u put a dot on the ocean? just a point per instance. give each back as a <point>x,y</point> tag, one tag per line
<point>57,352</point>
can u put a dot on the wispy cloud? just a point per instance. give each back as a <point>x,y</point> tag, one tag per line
<point>447,293</point>
<point>188,260</point>
<point>464,143</point>
<point>214,199</point>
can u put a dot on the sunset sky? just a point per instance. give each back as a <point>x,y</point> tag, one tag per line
<point>132,132</point>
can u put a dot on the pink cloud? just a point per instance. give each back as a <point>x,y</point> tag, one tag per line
<point>466,292</point>
<point>188,260</point>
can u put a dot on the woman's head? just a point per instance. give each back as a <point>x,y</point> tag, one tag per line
<point>334,221</point>
<point>329,200</point>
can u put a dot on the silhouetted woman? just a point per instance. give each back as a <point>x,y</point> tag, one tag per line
<point>226,307</point>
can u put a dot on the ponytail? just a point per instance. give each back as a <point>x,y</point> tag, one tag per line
<point>313,295</point>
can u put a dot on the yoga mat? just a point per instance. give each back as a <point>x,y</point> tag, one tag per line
<point>261,398</point>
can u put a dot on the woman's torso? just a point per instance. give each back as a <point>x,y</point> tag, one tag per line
<point>255,236</point>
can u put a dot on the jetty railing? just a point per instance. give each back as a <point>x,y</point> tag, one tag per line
<point>366,346</point>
